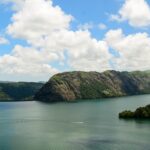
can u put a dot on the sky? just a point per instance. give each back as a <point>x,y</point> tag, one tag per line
<point>39,38</point>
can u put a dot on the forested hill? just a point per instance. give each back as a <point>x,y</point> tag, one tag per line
<point>18,91</point>
<point>70,86</point>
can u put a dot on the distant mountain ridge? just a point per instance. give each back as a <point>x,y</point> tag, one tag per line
<point>71,86</point>
<point>18,91</point>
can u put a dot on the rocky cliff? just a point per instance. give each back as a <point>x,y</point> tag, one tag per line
<point>71,86</point>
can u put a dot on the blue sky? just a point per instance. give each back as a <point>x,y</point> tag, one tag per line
<point>96,11</point>
<point>109,27</point>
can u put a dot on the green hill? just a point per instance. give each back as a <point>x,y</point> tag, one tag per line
<point>71,86</point>
<point>18,91</point>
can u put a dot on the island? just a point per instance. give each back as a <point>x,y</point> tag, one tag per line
<point>139,113</point>
<point>80,85</point>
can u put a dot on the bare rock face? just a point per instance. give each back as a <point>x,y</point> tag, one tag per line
<point>71,86</point>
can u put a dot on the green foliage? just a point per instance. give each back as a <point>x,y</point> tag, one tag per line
<point>4,96</point>
<point>126,114</point>
<point>93,90</point>
<point>18,90</point>
<point>141,112</point>
<point>141,73</point>
<point>57,79</point>
<point>108,93</point>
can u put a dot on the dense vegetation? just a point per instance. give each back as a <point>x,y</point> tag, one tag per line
<point>10,91</point>
<point>70,86</point>
<point>139,113</point>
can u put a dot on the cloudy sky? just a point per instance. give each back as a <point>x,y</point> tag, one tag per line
<point>39,38</point>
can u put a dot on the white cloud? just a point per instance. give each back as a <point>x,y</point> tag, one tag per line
<point>136,12</point>
<point>134,50</point>
<point>16,4</point>
<point>86,26</point>
<point>102,26</point>
<point>39,23</point>
<point>94,58</point>
<point>85,53</point>
<point>48,33</point>
<point>49,37</point>
<point>3,40</point>
<point>27,60</point>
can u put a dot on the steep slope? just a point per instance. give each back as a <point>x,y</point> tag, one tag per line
<point>70,86</point>
<point>10,91</point>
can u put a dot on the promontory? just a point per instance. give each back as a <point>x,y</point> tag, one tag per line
<point>79,85</point>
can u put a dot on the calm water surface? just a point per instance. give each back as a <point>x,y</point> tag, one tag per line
<point>90,125</point>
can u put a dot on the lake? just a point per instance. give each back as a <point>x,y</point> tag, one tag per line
<point>88,125</point>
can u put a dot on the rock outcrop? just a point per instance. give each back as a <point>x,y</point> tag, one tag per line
<point>71,86</point>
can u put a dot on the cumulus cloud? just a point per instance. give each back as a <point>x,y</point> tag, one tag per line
<point>16,4</point>
<point>27,60</point>
<point>102,26</point>
<point>51,42</point>
<point>3,40</point>
<point>82,49</point>
<point>93,61</point>
<point>136,12</point>
<point>45,19</point>
<point>47,32</point>
<point>134,50</point>
<point>86,26</point>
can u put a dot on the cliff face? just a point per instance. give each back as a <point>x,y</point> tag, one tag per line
<point>71,86</point>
